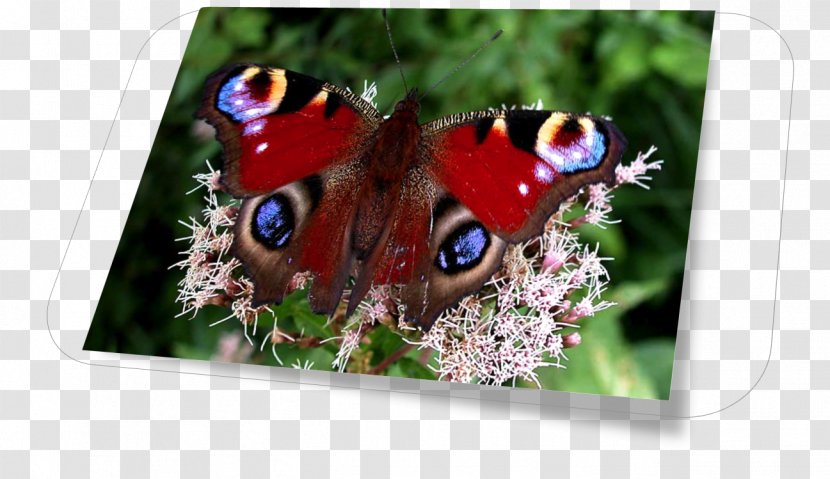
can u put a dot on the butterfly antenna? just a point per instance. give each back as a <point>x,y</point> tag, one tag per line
<point>394,50</point>
<point>461,65</point>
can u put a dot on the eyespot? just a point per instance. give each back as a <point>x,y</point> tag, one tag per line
<point>463,249</point>
<point>273,222</point>
<point>252,93</point>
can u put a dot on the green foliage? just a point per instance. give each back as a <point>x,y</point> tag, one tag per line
<point>645,69</point>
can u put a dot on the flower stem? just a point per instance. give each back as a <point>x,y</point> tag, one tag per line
<point>391,359</point>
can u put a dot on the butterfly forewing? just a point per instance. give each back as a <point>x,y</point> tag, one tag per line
<point>279,126</point>
<point>513,168</point>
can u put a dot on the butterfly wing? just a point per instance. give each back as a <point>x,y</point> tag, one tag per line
<point>514,168</point>
<point>293,152</point>
<point>277,126</point>
<point>497,177</point>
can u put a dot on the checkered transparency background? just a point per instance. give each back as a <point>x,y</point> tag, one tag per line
<point>62,69</point>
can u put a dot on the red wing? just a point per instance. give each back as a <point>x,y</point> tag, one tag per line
<point>513,168</point>
<point>278,126</point>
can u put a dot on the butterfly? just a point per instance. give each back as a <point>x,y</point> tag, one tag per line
<point>332,188</point>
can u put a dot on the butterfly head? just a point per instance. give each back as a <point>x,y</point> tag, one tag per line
<point>410,104</point>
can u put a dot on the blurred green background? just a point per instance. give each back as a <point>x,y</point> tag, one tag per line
<point>646,69</point>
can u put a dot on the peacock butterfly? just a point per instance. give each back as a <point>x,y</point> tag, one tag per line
<point>331,187</point>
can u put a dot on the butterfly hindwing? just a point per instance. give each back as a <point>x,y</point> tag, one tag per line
<point>513,168</point>
<point>304,226</point>
<point>277,126</point>
<point>463,254</point>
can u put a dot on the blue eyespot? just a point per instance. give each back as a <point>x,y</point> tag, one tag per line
<point>273,222</point>
<point>464,249</point>
<point>245,99</point>
<point>584,155</point>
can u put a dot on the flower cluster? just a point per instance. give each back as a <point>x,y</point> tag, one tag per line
<point>212,275</point>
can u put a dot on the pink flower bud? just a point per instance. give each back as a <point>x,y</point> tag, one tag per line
<point>571,340</point>
<point>215,183</point>
<point>551,262</point>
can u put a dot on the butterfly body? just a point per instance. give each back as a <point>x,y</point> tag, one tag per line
<point>389,158</point>
<point>332,188</point>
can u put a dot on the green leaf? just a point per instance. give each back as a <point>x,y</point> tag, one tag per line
<point>246,26</point>
<point>657,359</point>
<point>625,57</point>
<point>629,294</point>
<point>410,368</point>
<point>683,60</point>
<point>611,241</point>
<point>295,314</point>
<point>291,355</point>
<point>183,350</point>
<point>602,364</point>
<point>384,342</point>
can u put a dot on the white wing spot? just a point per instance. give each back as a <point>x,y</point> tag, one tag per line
<point>543,173</point>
